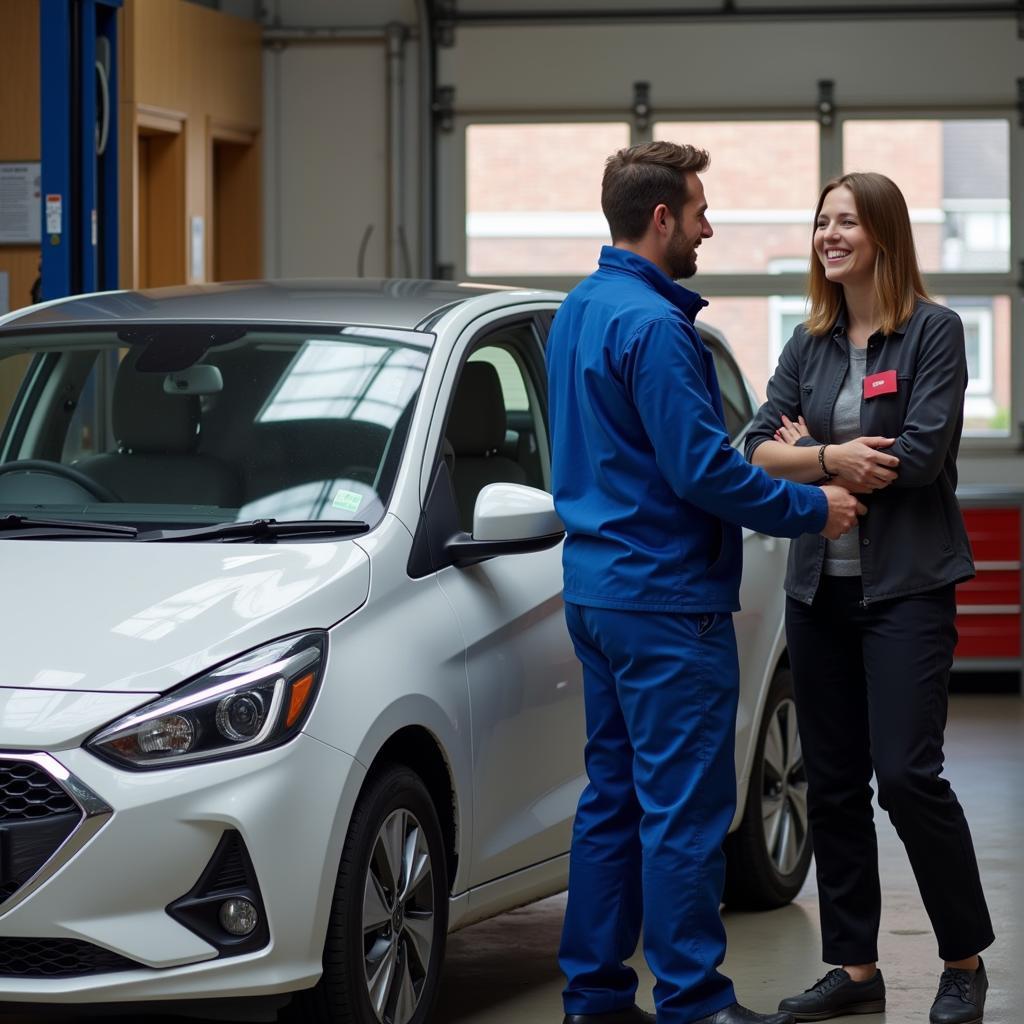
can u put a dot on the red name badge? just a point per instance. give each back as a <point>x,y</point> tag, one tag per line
<point>880,384</point>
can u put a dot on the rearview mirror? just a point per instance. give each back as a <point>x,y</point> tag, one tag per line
<point>200,379</point>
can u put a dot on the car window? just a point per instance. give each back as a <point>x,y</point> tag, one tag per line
<point>185,423</point>
<point>497,426</point>
<point>513,384</point>
<point>735,397</point>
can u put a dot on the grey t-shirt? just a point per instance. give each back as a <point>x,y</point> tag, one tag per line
<point>842,557</point>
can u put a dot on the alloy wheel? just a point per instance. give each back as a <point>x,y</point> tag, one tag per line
<point>398,918</point>
<point>784,796</point>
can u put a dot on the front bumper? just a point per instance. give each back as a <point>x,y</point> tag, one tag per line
<point>291,806</point>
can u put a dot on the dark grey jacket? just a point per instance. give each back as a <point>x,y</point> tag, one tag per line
<point>913,537</point>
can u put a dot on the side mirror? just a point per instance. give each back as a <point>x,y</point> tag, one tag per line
<point>507,519</point>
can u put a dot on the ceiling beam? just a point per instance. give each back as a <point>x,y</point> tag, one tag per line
<point>729,11</point>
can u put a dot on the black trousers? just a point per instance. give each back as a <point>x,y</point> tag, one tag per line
<point>871,694</point>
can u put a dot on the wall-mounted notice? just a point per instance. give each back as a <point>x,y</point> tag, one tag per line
<point>19,204</point>
<point>54,216</point>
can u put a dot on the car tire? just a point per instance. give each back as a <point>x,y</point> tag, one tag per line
<point>768,856</point>
<point>383,955</point>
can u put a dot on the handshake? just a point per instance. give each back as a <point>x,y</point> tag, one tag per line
<point>843,509</point>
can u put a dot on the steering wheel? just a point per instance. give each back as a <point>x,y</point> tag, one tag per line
<point>92,487</point>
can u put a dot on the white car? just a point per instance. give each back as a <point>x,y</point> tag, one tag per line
<point>286,693</point>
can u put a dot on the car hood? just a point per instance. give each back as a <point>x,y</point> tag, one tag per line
<point>128,617</point>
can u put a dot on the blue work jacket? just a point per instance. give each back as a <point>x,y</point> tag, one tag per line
<point>650,489</point>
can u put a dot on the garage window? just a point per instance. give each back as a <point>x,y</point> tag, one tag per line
<point>955,174</point>
<point>761,186</point>
<point>956,178</point>
<point>533,217</point>
<point>533,196</point>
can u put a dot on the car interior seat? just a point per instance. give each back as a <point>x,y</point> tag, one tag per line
<point>476,433</point>
<point>157,435</point>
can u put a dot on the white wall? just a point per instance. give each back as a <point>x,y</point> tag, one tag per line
<point>327,153</point>
<point>740,65</point>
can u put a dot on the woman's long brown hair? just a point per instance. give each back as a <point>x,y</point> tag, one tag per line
<point>882,212</point>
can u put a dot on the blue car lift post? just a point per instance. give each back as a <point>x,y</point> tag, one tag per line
<point>78,50</point>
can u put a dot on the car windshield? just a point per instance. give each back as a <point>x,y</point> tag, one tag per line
<point>170,426</point>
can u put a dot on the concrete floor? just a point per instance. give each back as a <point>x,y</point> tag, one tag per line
<point>504,971</point>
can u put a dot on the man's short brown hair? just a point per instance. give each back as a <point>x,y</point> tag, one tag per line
<point>638,179</point>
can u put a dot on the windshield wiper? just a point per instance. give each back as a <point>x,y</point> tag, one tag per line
<point>263,529</point>
<point>63,527</point>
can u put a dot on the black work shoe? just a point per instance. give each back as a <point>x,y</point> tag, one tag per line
<point>737,1014</point>
<point>961,996</point>
<point>836,995</point>
<point>631,1015</point>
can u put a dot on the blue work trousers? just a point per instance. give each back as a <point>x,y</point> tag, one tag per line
<point>660,690</point>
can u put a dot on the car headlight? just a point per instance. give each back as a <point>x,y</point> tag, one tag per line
<point>250,703</point>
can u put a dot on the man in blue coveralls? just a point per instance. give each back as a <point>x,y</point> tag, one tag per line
<point>653,496</point>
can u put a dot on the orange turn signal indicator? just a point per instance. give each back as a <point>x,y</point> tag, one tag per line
<point>301,690</point>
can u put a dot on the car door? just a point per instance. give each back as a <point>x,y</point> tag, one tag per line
<point>759,621</point>
<point>525,684</point>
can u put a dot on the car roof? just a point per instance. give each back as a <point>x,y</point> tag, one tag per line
<point>401,304</point>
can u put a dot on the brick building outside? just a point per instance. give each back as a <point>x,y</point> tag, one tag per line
<point>533,210</point>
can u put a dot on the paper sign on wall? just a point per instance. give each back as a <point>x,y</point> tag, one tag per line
<point>54,216</point>
<point>19,203</point>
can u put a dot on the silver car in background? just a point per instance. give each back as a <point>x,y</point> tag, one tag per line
<point>286,693</point>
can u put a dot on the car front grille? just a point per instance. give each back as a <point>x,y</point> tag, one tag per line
<point>41,827</point>
<point>57,958</point>
<point>37,815</point>
<point>27,792</point>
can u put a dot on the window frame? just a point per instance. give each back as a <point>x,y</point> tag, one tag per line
<point>530,359</point>
<point>453,241</point>
<point>536,396</point>
<point>983,284</point>
<point>983,318</point>
<point>780,306</point>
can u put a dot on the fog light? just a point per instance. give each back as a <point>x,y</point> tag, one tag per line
<point>238,917</point>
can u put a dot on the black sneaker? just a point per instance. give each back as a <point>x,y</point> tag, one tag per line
<point>961,996</point>
<point>836,995</point>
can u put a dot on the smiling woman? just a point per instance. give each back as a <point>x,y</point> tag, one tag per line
<point>191,425</point>
<point>845,249</point>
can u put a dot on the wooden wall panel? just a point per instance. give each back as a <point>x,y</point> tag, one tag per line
<point>176,57</point>
<point>19,125</point>
<point>12,369</point>
<point>164,59</point>
<point>19,80</point>
<point>230,62</point>
<point>203,66</point>
<point>235,241</point>
<point>162,241</point>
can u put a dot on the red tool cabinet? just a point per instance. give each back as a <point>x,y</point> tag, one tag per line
<point>989,606</point>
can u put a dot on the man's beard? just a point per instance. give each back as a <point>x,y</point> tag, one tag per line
<point>681,256</point>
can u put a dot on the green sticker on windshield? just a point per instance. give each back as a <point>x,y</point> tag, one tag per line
<point>347,501</point>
